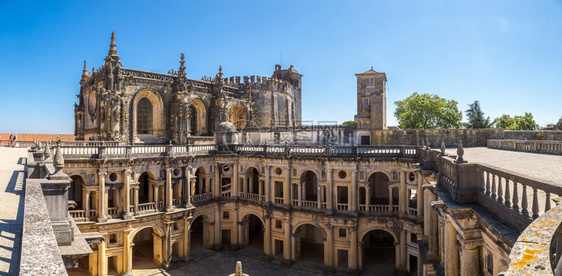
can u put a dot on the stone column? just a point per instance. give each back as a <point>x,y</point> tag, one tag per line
<point>235,228</point>
<point>267,235</point>
<point>127,252</point>
<point>368,197</point>
<point>299,193</point>
<point>469,258</point>
<point>235,187</point>
<point>403,194</point>
<point>420,196</point>
<point>136,199</point>
<point>127,194</point>
<point>156,188</point>
<point>260,188</point>
<point>102,260</point>
<point>102,207</point>
<point>189,185</point>
<point>86,202</point>
<point>319,197</point>
<point>216,183</point>
<point>352,264</point>
<point>186,237</point>
<point>287,187</point>
<point>167,255</point>
<point>329,246</point>
<point>403,251</point>
<point>451,252</point>
<point>330,190</point>
<point>169,193</point>
<point>267,184</point>
<point>287,240</point>
<point>218,232</point>
<point>390,198</point>
<point>353,192</point>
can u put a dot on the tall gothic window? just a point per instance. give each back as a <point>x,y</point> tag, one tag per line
<point>193,119</point>
<point>144,116</point>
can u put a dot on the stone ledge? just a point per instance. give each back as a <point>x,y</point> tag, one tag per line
<point>40,253</point>
<point>531,253</point>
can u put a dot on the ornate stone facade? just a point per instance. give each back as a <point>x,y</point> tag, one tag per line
<point>134,106</point>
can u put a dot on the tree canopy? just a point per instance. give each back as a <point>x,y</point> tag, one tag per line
<point>525,122</point>
<point>349,123</point>
<point>427,111</point>
<point>475,117</point>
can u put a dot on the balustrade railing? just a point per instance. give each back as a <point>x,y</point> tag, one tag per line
<point>278,200</point>
<point>176,202</point>
<point>250,196</point>
<point>113,211</point>
<point>149,206</point>
<point>78,214</point>
<point>309,203</point>
<point>536,146</point>
<point>499,191</point>
<point>342,206</point>
<point>226,194</point>
<point>92,213</point>
<point>412,211</point>
<point>200,197</point>
<point>132,208</point>
<point>160,205</point>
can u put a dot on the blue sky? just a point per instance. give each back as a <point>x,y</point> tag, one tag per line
<point>506,54</point>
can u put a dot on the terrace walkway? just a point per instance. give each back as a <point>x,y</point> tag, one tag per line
<point>542,167</point>
<point>12,176</point>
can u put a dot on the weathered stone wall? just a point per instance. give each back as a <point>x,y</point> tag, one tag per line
<point>469,137</point>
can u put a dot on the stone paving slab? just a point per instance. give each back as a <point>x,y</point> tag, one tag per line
<point>543,167</point>
<point>11,205</point>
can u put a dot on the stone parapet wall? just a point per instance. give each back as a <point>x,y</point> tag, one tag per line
<point>38,238</point>
<point>451,137</point>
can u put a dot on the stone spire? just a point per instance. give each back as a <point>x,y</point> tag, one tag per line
<point>180,83</point>
<point>181,72</point>
<point>85,73</point>
<point>112,56</point>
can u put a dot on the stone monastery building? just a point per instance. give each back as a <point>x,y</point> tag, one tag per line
<point>167,168</point>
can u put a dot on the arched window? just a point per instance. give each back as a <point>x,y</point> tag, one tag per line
<point>193,119</point>
<point>144,117</point>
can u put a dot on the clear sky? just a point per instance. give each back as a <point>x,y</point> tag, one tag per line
<point>506,54</point>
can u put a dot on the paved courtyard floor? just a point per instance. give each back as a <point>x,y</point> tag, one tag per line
<point>11,206</point>
<point>543,167</point>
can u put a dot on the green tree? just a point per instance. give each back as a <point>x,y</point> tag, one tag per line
<point>525,122</point>
<point>427,111</point>
<point>475,117</point>
<point>349,123</point>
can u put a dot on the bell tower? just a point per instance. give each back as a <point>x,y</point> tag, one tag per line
<point>371,100</point>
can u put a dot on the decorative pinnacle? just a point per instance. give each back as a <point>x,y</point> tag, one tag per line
<point>372,68</point>
<point>85,73</point>
<point>112,55</point>
<point>460,153</point>
<point>220,69</point>
<point>443,148</point>
<point>59,161</point>
<point>112,39</point>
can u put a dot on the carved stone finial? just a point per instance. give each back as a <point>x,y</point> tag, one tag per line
<point>427,142</point>
<point>460,153</point>
<point>112,56</point>
<point>47,152</point>
<point>220,70</point>
<point>113,38</point>
<point>443,148</point>
<point>372,68</point>
<point>59,161</point>
<point>239,268</point>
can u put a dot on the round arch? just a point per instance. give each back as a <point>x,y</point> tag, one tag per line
<point>296,227</point>
<point>252,212</point>
<point>379,251</point>
<point>150,174</point>
<point>158,117</point>
<point>382,172</point>
<point>366,231</point>
<point>155,228</point>
<point>75,190</point>
<point>198,117</point>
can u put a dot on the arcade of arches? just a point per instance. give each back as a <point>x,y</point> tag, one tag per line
<point>280,208</point>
